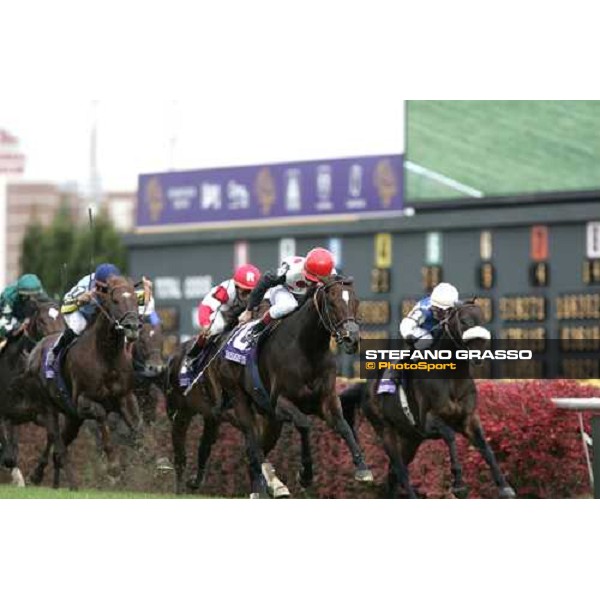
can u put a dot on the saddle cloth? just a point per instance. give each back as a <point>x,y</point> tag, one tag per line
<point>187,376</point>
<point>236,349</point>
<point>389,386</point>
<point>64,393</point>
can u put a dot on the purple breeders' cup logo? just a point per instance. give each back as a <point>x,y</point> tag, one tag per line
<point>154,198</point>
<point>265,190</point>
<point>385,181</point>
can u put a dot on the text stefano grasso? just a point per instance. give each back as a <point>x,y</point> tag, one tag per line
<point>387,354</point>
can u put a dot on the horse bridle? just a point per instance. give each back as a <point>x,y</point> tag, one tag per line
<point>325,314</point>
<point>445,323</point>
<point>117,323</point>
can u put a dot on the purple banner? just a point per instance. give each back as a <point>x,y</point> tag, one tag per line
<point>305,190</point>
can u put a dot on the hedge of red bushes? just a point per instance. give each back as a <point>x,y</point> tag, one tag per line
<point>539,449</point>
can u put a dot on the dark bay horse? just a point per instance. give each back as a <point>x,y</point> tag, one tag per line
<point>206,399</point>
<point>298,369</point>
<point>98,371</point>
<point>439,409</point>
<point>43,318</point>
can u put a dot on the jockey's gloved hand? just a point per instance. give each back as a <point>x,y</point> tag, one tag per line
<point>245,317</point>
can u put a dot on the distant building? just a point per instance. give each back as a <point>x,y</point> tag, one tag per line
<point>120,208</point>
<point>27,203</point>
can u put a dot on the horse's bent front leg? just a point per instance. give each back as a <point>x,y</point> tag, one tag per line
<point>332,413</point>
<point>130,411</point>
<point>474,431</point>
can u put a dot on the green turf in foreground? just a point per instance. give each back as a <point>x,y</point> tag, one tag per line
<point>33,493</point>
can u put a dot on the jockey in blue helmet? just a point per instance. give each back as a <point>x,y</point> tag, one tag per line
<point>79,307</point>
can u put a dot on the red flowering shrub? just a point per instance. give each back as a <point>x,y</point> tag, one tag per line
<point>538,447</point>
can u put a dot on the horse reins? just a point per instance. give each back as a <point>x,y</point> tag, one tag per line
<point>117,323</point>
<point>325,315</point>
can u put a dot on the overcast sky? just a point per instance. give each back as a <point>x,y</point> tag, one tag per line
<point>257,81</point>
<point>235,87</point>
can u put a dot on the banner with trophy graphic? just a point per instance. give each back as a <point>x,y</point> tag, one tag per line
<point>303,191</point>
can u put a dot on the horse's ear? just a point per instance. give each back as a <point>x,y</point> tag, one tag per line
<point>348,280</point>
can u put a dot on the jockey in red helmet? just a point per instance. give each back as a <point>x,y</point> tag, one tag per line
<point>291,282</point>
<point>221,304</point>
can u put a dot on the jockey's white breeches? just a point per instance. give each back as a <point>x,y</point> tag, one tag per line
<point>76,322</point>
<point>282,301</point>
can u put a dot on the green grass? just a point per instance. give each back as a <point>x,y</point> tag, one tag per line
<point>12,492</point>
<point>504,147</point>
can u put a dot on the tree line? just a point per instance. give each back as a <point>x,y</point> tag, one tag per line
<point>62,253</point>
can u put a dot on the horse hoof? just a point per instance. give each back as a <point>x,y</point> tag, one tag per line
<point>164,465</point>
<point>460,492</point>
<point>254,496</point>
<point>281,492</point>
<point>17,477</point>
<point>364,475</point>
<point>507,493</point>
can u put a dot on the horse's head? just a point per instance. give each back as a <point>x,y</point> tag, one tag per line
<point>148,358</point>
<point>118,301</point>
<point>464,326</point>
<point>45,319</point>
<point>337,305</point>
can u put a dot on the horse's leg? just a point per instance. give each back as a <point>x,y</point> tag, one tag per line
<point>287,411</point>
<point>60,455</point>
<point>332,413</point>
<point>37,476</point>
<point>475,434</point>
<point>130,411</point>
<point>209,437</point>
<point>15,473</point>
<point>276,487</point>
<point>179,428</point>
<point>398,468</point>
<point>254,452</point>
<point>436,426</point>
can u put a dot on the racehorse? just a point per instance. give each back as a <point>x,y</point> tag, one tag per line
<point>97,372</point>
<point>43,318</point>
<point>297,368</point>
<point>149,369</point>
<point>436,408</point>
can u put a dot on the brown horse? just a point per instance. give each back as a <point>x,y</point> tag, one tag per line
<point>149,370</point>
<point>97,370</point>
<point>44,318</point>
<point>436,408</point>
<point>298,369</point>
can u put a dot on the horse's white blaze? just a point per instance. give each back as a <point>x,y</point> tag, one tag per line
<point>126,294</point>
<point>53,313</point>
<point>17,477</point>
<point>152,334</point>
<point>346,296</point>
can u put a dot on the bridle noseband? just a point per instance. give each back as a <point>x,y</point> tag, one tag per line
<point>117,323</point>
<point>325,312</point>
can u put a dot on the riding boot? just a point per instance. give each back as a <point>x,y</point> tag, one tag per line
<point>193,353</point>
<point>255,332</point>
<point>66,337</point>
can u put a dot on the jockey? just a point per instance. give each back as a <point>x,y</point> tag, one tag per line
<point>422,322</point>
<point>79,307</point>
<point>14,300</point>
<point>285,288</point>
<point>220,303</point>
